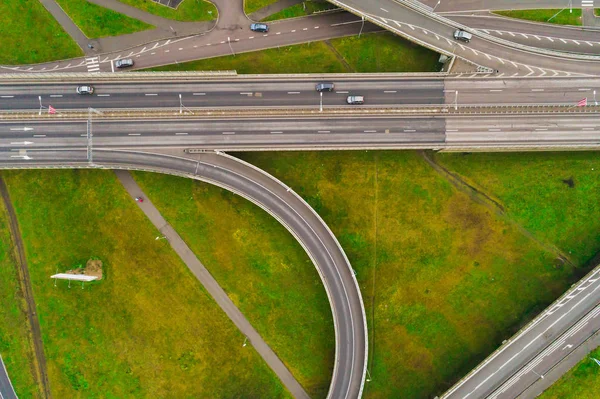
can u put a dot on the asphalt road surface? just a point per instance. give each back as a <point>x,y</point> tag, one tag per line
<point>271,92</point>
<point>287,207</point>
<point>6,389</point>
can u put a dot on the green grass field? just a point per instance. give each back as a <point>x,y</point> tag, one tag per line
<point>375,52</point>
<point>262,268</point>
<point>563,18</point>
<point>582,382</point>
<point>301,10</point>
<point>96,21</point>
<point>254,5</point>
<point>444,279</point>
<point>148,329</point>
<point>556,196</point>
<point>188,10</point>
<point>16,346</point>
<point>50,42</point>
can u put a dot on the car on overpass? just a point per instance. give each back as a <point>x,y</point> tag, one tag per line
<point>85,89</point>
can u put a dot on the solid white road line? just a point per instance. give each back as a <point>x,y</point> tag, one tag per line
<point>293,92</point>
<point>55,95</point>
<point>228,132</point>
<point>323,131</point>
<point>390,91</point>
<point>198,94</point>
<point>6,96</point>
<point>103,95</point>
<point>180,134</point>
<point>276,132</point>
<point>39,135</point>
<point>151,94</point>
<point>342,92</point>
<point>135,134</point>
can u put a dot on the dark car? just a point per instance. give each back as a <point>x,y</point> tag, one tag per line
<point>259,27</point>
<point>325,87</point>
<point>86,89</point>
<point>126,62</point>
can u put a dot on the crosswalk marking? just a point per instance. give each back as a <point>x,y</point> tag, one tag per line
<point>92,64</point>
<point>587,3</point>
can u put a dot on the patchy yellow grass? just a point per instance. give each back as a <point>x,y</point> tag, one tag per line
<point>444,279</point>
<point>148,329</point>
<point>261,266</point>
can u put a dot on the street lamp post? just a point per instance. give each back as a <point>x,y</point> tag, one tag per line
<point>361,27</point>
<point>438,3</point>
<point>180,104</point>
<point>245,342</point>
<point>595,102</point>
<point>41,106</point>
<point>539,375</point>
<point>231,48</point>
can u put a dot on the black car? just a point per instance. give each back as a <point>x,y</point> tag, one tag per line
<point>325,87</point>
<point>259,27</point>
<point>126,62</point>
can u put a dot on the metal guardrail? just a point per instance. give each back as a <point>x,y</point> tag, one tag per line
<point>258,112</point>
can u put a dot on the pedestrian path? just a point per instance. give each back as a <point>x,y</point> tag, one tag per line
<point>211,285</point>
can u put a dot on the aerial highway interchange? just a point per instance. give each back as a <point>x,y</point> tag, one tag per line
<point>524,96</point>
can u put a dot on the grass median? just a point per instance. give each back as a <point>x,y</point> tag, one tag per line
<point>148,329</point>
<point>188,10</point>
<point>301,10</point>
<point>31,35</point>
<point>254,5</point>
<point>581,382</point>
<point>374,52</point>
<point>261,266</point>
<point>95,21</point>
<point>553,16</point>
<point>444,279</point>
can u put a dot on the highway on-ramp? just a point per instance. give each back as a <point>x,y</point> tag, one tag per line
<point>282,203</point>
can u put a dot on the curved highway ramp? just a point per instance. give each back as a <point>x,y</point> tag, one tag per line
<point>278,200</point>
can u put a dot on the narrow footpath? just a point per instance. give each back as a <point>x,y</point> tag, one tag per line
<point>211,285</point>
<point>25,282</point>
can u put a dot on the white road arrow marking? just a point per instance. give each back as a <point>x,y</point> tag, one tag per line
<point>24,129</point>
<point>567,347</point>
<point>22,143</point>
<point>24,157</point>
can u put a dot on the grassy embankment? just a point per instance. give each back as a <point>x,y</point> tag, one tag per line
<point>375,52</point>
<point>95,21</point>
<point>148,329</point>
<point>556,196</point>
<point>445,279</point>
<point>301,10</point>
<point>189,10</point>
<point>254,5</point>
<point>18,20</point>
<point>543,15</point>
<point>582,382</point>
<point>16,346</point>
<point>260,265</point>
